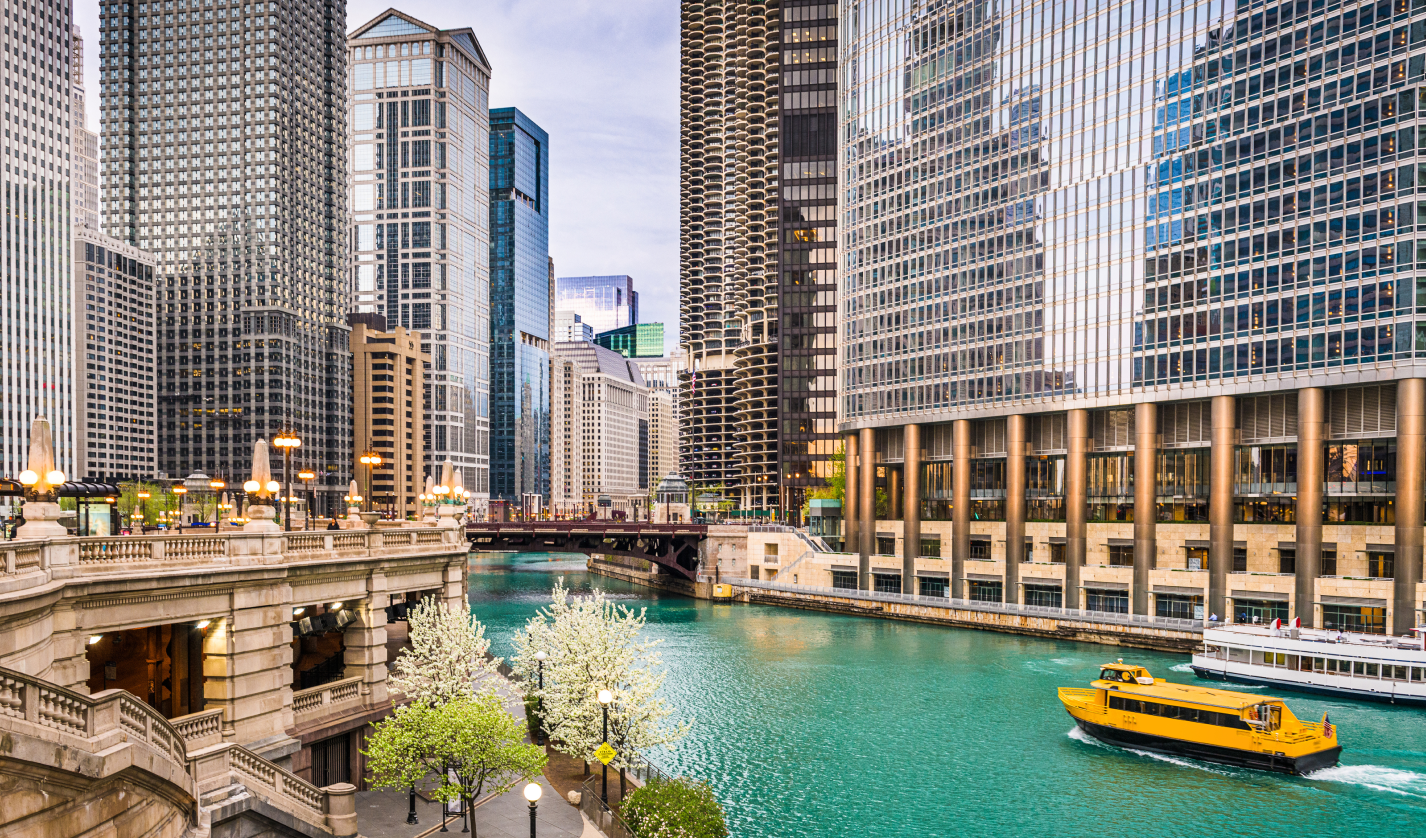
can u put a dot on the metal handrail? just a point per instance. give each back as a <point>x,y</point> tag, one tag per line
<point>978,605</point>
<point>607,820</point>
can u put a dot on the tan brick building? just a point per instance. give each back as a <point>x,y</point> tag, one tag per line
<point>388,373</point>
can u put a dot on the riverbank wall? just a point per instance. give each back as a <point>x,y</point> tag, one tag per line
<point>1053,627</point>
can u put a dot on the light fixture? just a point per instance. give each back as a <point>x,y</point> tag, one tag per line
<point>606,697</point>
<point>336,606</point>
<point>251,486</point>
<point>273,486</point>
<point>55,478</point>
<point>298,612</point>
<point>541,656</point>
<point>533,792</point>
<point>95,638</point>
<point>202,624</point>
<point>29,478</point>
<point>216,484</point>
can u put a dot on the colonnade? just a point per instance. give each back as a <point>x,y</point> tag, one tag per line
<point>860,449</point>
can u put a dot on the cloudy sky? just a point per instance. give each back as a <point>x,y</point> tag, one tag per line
<point>602,78</point>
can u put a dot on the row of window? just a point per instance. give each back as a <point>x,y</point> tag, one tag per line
<point>1175,711</point>
<point>1321,665</point>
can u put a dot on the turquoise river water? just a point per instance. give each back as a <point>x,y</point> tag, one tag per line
<point>811,724</point>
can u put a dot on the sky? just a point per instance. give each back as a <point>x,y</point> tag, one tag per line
<point>602,78</point>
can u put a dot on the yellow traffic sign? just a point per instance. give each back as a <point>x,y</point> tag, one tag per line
<point>605,753</point>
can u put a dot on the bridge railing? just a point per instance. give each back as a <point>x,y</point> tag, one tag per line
<point>1173,623</point>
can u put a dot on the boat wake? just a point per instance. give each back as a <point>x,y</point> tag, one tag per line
<point>1080,736</point>
<point>1183,667</point>
<point>1375,777</point>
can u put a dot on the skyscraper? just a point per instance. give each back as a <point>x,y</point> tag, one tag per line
<point>223,142</point>
<point>604,302</point>
<point>85,144</point>
<point>520,306</point>
<point>1131,286</point>
<point>759,249</point>
<point>419,191</point>
<point>37,321</point>
<point>642,340</point>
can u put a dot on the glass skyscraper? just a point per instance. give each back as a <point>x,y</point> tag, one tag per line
<point>223,141</point>
<point>1131,284</point>
<point>419,191</point>
<point>519,306</point>
<point>604,302</point>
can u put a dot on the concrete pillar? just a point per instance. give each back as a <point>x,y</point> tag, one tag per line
<point>866,499</point>
<point>851,523</point>
<point>1146,490</point>
<point>911,506</point>
<point>1015,445</point>
<point>893,494</point>
<point>1410,463</point>
<point>960,506</point>
<point>1076,503</point>
<point>1311,416</point>
<point>1220,504</point>
<point>364,642</point>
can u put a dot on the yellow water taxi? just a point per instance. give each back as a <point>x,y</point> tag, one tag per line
<point>1130,708</point>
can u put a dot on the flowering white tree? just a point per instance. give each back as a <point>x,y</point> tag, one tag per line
<point>447,658</point>
<point>594,644</point>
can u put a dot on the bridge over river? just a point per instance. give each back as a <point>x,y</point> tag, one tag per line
<point>671,547</point>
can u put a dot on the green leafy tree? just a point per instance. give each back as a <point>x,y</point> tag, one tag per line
<point>675,809</point>
<point>457,751</point>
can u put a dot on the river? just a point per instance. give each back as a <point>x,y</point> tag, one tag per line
<point>811,724</point>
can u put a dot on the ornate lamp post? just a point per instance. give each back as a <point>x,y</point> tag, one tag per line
<point>263,486</point>
<point>532,794</point>
<point>288,442</point>
<point>180,490</point>
<point>371,460</point>
<point>307,476</point>
<point>605,699</point>
<point>217,484</point>
<point>41,481</point>
<point>540,658</point>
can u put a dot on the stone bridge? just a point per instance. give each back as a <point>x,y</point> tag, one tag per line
<point>671,547</point>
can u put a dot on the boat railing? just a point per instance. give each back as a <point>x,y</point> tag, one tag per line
<point>1174,623</point>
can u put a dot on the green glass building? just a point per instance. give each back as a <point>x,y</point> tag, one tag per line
<point>641,340</point>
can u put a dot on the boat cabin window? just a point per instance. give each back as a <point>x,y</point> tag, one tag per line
<point>1268,717</point>
<point>1236,654</point>
<point>1217,652</point>
<point>1123,676</point>
<point>1418,674</point>
<point>1174,711</point>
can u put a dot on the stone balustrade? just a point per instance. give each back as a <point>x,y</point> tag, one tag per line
<point>327,699</point>
<point>222,767</point>
<point>200,730</point>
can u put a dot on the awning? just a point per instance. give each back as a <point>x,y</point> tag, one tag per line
<point>975,536</point>
<point>1270,596</point>
<point>1105,586</point>
<point>1381,548</point>
<point>1365,602</point>
<point>933,574</point>
<point>70,489</point>
<point>1204,545</point>
<point>841,568</point>
<point>1042,582</point>
<point>1121,542</point>
<point>1057,539</point>
<point>1292,545</point>
<point>983,577</point>
<point>1177,589</point>
<point>886,535</point>
<point>885,571</point>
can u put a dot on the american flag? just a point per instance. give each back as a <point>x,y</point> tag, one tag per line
<point>1326,727</point>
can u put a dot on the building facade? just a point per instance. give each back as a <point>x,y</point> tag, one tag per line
<point>85,144</point>
<point>38,332</point>
<point>419,192</point>
<point>388,398</point>
<point>520,306</point>
<point>605,302</point>
<point>758,250</point>
<point>641,340</point>
<point>601,433</point>
<point>570,327</point>
<point>114,371</point>
<point>1126,309</point>
<point>223,141</point>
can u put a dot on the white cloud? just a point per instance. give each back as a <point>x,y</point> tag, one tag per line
<point>602,79</point>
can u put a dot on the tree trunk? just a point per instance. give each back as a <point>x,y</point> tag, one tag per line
<point>621,785</point>
<point>470,819</point>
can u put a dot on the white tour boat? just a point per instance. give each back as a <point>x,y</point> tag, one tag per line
<point>1365,666</point>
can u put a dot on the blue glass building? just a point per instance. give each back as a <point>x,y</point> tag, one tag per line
<point>519,306</point>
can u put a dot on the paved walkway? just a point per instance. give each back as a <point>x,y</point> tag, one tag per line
<point>382,814</point>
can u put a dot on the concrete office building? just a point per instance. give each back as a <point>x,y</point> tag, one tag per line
<point>660,375</point>
<point>600,432</point>
<point>114,352</point>
<point>37,361</point>
<point>419,191</point>
<point>571,328</point>
<point>1127,322</point>
<point>388,395</point>
<point>223,141</point>
<point>758,250</point>
<point>85,144</point>
<point>604,302</point>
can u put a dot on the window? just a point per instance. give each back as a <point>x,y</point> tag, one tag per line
<point>1329,562</point>
<point>931,547</point>
<point>844,579</point>
<point>885,546</point>
<point>1107,601</point>
<point>1044,596</point>
<point>980,549</point>
<point>933,587</point>
<point>1287,560</point>
<point>886,583</point>
<point>981,591</point>
<point>1380,565</point>
<point>1057,553</point>
<point>1179,606</point>
<point>1259,610</point>
<point>1240,560</point>
<point>1355,618</point>
<point>1121,556</point>
<point>1197,558</point>
<point>1174,711</point>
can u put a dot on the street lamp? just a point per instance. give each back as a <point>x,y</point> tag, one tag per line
<point>540,658</point>
<point>287,442</point>
<point>371,460</point>
<point>605,699</point>
<point>180,490</point>
<point>307,476</point>
<point>532,794</point>
<point>217,484</point>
